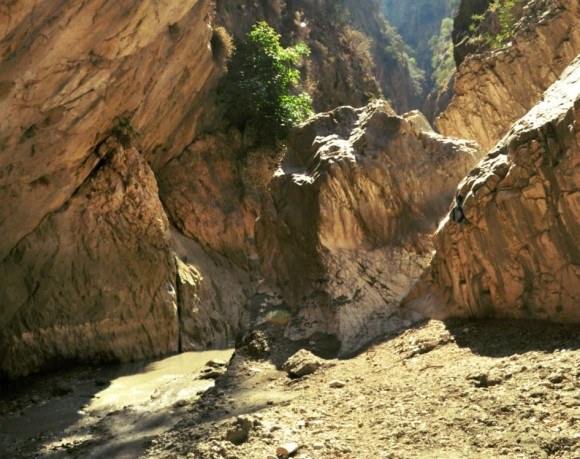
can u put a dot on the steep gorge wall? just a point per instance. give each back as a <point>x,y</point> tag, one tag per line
<point>495,88</point>
<point>95,99</point>
<point>127,207</point>
<point>518,253</point>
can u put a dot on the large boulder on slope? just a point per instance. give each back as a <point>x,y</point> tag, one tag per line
<point>345,231</point>
<point>518,256</point>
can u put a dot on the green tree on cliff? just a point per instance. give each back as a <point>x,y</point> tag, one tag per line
<point>260,89</point>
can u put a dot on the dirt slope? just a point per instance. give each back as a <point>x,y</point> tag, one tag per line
<point>479,390</point>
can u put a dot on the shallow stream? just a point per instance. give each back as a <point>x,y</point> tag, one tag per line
<point>110,411</point>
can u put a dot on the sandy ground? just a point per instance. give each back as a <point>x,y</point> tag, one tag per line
<point>489,389</point>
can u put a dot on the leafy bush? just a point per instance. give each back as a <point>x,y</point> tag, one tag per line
<point>503,27</point>
<point>260,88</point>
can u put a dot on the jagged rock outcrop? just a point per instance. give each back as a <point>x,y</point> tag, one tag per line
<point>494,89</point>
<point>344,233</point>
<point>518,254</point>
<point>95,280</point>
<point>95,99</point>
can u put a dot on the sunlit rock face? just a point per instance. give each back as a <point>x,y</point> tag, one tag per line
<point>518,254</point>
<point>96,98</point>
<point>344,232</point>
<point>95,280</point>
<point>494,89</point>
<point>67,71</point>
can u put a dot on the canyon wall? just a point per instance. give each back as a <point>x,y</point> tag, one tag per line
<point>344,233</point>
<point>356,56</point>
<point>518,253</point>
<point>95,99</point>
<point>128,205</point>
<point>496,87</point>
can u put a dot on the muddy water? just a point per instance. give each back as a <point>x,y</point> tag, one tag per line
<point>108,412</point>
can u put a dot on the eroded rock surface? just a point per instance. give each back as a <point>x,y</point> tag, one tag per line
<point>344,233</point>
<point>95,280</point>
<point>518,254</point>
<point>496,88</point>
<point>68,72</point>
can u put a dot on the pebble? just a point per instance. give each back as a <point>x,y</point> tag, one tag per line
<point>337,384</point>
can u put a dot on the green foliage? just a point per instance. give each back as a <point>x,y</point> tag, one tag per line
<point>397,52</point>
<point>260,88</point>
<point>124,131</point>
<point>442,62</point>
<point>506,13</point>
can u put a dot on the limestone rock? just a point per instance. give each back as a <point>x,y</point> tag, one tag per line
<point>215,198</point>
<point>211,291</point>
<point>239,432</point>
<point>255,344</point>
<point>96,279</point>
<point>213,369</point>
<point>301,364</point>
<point>518,254</point>
<point>67,73</point>
<point>496,88</point>
<point>344,232</point>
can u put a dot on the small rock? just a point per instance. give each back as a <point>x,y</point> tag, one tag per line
<point>483,380</point>
<point>239,432</point>
<point>555,378</point>
<point>287,450</point>
<point>216,363</point>
<point>301,364</point>
<point>337,384</point>
<point>255,345</point>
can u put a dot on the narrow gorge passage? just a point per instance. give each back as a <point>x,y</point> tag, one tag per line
<point>228,229</point>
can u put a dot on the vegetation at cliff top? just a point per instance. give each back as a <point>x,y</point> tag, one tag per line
<point>504,25</point>
<point>260,90</point>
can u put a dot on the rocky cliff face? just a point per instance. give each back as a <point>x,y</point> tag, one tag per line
<point>495,88</point>
<point>68,72</point>
<point>78,284</point>
<point>348,39</point>
<point>518,253</point>
<point>344,234</point>
<point>87,263</point>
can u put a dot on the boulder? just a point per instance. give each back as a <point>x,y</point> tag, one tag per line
<point>344,232</point>
<point>302,363</point>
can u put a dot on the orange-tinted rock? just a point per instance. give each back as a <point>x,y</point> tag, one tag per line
<point>518,255</point>
<point>344,233</point>
<point>496,88</point>
<point>95,280</point>
<point>67,72</point>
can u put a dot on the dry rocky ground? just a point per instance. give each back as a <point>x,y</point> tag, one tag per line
<point>485,389</point>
